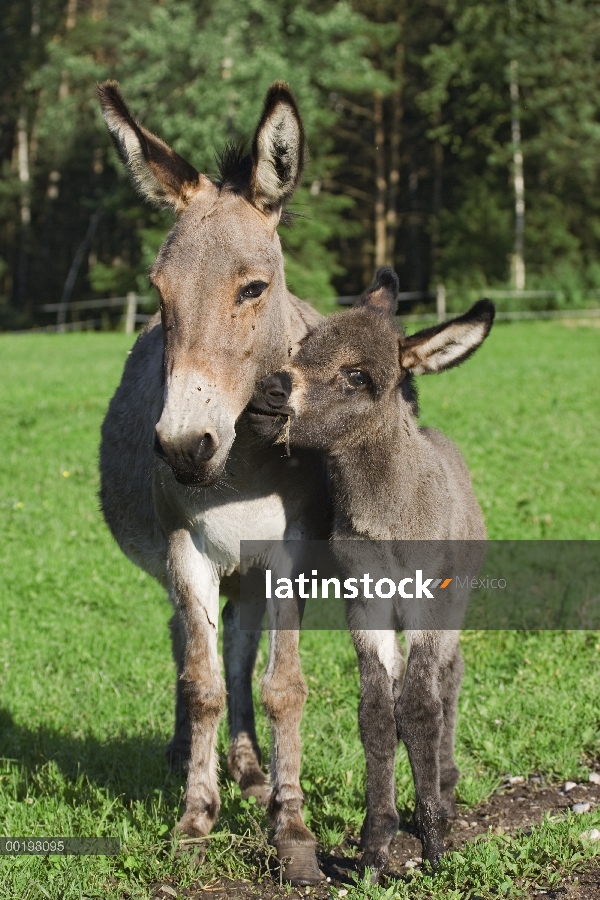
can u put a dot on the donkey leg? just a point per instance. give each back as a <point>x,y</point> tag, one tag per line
<point>283,694</point>
<point>178,748</point>
<point>379,662</point>
<point>450,682</point>
<point>419,723</point>
<point>195,587</point>
<point>239,654</point>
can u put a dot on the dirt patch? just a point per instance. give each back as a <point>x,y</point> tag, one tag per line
<point>516,807</point>
<point>585,886</point>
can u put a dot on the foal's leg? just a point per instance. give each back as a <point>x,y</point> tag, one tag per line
<point>283,694</point>
<point>380,665</point>
<point>195,589</point>
<point>178,748</point>
<point>420,722</point>
<point>239,654</point>
<point>450,682</point>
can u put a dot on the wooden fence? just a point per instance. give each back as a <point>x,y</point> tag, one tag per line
<point>131,317</point>
<point>440,305</point>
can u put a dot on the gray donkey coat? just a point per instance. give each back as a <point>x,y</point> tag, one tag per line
<point>403,491</point>
<point>182,478</point>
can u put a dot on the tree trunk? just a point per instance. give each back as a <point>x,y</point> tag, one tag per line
<point>438,159</point>
<point>380,181</point>
<point>25,204</point>
<point>518,266</point>
<point>63,90</point>
<point>395,142</point>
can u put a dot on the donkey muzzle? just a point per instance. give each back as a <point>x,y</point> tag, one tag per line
<point>188,455</point>
<point>273,393</point>
<point>268,411</point>
<point>196,428</point>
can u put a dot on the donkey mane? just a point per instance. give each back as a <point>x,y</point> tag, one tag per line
<point>234,165</point>
<point>234,169</point>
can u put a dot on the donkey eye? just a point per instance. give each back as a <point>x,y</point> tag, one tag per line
<point>252,291</point>
<point>357,378</point>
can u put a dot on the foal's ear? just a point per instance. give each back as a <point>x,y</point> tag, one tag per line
<point>449,344</point>
<point>160,174</point>
<point>277,150</point>
<point>382,296</point>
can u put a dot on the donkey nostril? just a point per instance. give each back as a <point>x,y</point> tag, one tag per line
<point>207,447</point>
<point>277,389</point>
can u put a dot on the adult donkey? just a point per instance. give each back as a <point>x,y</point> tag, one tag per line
<point>182,480</point>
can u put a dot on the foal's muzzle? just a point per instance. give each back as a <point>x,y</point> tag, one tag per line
<point>268,410</point>
<point>275,390</point>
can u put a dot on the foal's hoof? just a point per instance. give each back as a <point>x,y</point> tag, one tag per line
<point>433,847</point>
<point>373,864</point>
<point>432,826</point>
<point>433,857</point>
<point>373,873</point>
<point>299,863</point>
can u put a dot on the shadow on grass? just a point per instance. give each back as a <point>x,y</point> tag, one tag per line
<point>130,767</point>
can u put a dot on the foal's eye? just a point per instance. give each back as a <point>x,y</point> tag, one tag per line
<point>252,291</point>
<point>357,378</point>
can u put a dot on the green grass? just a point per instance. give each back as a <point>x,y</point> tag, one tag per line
<point>524,412</point>
<point>86,679</point>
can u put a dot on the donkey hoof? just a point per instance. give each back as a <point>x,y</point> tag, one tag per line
<point>433,851</point>
<point>373,873</point>
<point>261,791</point>
<point>299,863</point>
<point>193,825</point>
<point>193,853</point>
<point>373,865</point>
<point>433,858</point>
<point>432,826</point>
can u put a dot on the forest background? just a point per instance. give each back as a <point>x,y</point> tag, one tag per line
<point>410,127</point>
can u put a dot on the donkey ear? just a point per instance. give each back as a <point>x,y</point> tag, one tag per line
<point>382,296</point>
<point>449,344</point>
<point>277,150</point>
<point>160,174</point>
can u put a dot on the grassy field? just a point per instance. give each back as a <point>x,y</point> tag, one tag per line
<point>86,679</point>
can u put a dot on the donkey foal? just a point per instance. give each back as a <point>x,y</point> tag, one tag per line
<point>349,392</point>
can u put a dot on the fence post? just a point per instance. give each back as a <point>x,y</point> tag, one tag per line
<point>130,313</point>
<point>440,300</point>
